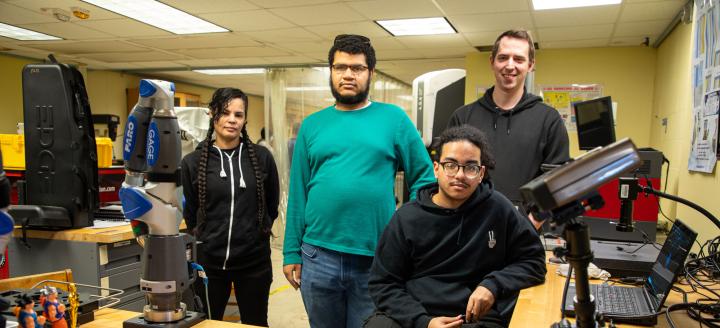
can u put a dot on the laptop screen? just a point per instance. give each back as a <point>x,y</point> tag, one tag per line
<point>670,260</point>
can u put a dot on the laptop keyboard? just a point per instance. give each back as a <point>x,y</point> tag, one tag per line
<point>616,300</point>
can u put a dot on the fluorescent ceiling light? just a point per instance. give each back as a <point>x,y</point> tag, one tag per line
<point>417,26</point>
<point>558,4</point>
<point>19,33</point>
<point>231,71</point>
<point>159,15</point>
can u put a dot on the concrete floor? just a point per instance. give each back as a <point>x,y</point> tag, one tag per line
<point>286,307</point>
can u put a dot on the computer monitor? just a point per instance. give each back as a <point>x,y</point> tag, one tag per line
<point>595,124</point>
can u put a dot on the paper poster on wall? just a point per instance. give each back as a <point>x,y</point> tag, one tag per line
<point>561,98</point>
<point>705,85</point>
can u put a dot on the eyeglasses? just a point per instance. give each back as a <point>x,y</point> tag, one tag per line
<point>355,69</point>
<point>341,37</point>
<point>471,171</point>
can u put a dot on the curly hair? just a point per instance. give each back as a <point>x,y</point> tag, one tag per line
<point>470,134</point>
<point>220,100</point>
<point>353,44</point>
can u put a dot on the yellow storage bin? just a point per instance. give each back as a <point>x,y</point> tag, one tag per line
<point>104,151</point>
<point>13,151</point>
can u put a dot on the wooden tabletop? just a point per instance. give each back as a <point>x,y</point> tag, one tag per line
<point>539,306</point>
<point>113,318</point>
<point>103,235</point>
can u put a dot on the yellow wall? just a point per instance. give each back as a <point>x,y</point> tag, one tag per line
<point>106,91</point>
<point>627,74</point>
<point>11,109</point>
<point>673,100</point>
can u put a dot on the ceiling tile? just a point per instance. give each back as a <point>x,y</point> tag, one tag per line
<point>232,52</point>
<point>280,37</point>
<point>256,20</point>
<point>306,46</point>
<point>68,31</point>
<point>484,38</point>
<point>222,40</point>
<point>319,14</point>
<point>119,57</point>
<point>574,33</point>
<point>368,29</point>
<point>640,28</point>
<point>72,47</point>
<point>386,43</point>
<point>245,61</point>
<point>576,16</point>
<point>398,54</point>
<point>575,43</point>
<point>210,6</point>
<point>650,11</point>
<point>464,7</point>
<point>296,59</point>
<point>460,52</point>
<point>436,41</point>
<point>195,63</point>
<point>37,6</point>
<point>288,3</point>
<point>156,64</point>
<point>321,56</point>
<point>123,27</point>
<point>383,9</point>
<point>490,22</point>
<point>14,15</point>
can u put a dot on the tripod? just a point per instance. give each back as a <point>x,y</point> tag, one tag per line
<point>579,254</point>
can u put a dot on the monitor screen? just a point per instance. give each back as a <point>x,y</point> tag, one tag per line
<point>595,125</point>
<point>669,262</point>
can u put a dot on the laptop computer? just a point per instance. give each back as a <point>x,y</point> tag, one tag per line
<point>639,305</point>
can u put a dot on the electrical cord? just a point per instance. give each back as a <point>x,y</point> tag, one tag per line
<point>565,290</point>
<point>201,274</point>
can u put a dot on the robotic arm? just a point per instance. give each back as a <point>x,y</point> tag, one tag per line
<point>151,149</point>
<point>151,146</point>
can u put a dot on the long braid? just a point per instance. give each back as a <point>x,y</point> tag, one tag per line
<point>202,178</point>
<point>260,190</point>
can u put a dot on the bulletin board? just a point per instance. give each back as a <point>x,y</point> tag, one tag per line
<point>705,86</point>
<point>561,98</point>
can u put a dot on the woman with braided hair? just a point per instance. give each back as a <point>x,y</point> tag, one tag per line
<point>231,200</point>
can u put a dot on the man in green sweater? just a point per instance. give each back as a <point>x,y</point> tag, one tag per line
<point>341,189</point>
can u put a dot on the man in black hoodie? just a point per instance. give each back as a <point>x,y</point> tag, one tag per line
<point>523,131</point>
<point>459,249</point>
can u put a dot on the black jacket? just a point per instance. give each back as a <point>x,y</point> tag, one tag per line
<point>430,259</point>
<point>521,139</point>
<point>249,245</point>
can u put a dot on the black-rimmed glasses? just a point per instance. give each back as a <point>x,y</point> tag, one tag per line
<point>355,69</point>
<point>471,171</point>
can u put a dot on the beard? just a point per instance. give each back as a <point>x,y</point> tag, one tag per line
<point>359,97</point>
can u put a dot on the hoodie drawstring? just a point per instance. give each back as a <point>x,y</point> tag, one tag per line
<point>462,221</point>
<point>496,115</point>
<point>508,123</point>
<point>222,164</point>
<point>242,176</point>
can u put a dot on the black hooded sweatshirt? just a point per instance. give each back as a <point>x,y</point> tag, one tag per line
<point>249,244</point>
<point>430,259</point>
<point>521,138</point>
